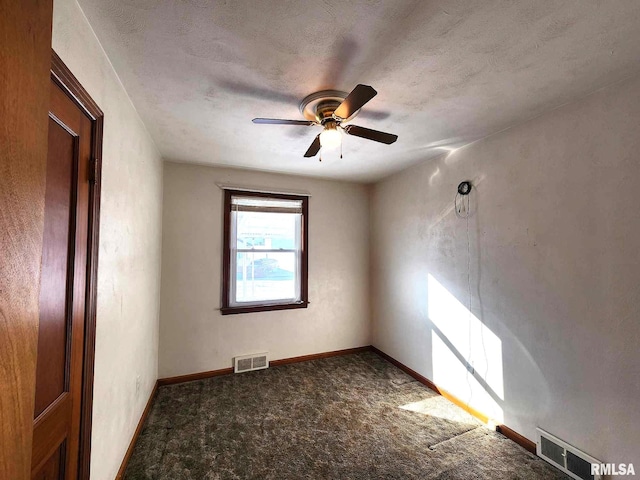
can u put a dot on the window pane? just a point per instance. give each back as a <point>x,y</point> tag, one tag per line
<point>262,276</point>
<point>262,230</point>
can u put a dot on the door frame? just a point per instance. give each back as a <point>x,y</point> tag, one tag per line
<point>63,77</point>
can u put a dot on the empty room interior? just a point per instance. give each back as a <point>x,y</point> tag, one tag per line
<point>320,240</point>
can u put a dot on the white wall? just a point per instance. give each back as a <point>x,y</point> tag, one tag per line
<point>555,273</point>
<point>195,337</point>
<point>130,248</point>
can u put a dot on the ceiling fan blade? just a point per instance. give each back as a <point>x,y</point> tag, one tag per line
<point>276,121</point>
<point>355,100</point>
<point>369,134</point>
<point>314,148</point>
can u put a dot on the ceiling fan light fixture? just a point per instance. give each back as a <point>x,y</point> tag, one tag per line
<point>330,136</point>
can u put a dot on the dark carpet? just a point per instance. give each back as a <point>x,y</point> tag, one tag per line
<point>349,417</point>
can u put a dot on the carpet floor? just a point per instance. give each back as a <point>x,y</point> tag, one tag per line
<point>349,417</point>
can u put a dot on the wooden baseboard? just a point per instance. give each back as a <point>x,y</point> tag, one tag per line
<point>405,369</point>
<point>136,434</point>
<point>274,363</point>
<point>425,381</point>
<point>193,376</point>
<point>524,442</point>
<point>317,356</point>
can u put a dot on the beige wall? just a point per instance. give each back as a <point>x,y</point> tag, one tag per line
<point>194,337</point>
<point>129,255</point>
<point>555,273</point>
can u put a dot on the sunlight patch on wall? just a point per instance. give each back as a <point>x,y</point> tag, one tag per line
<point>467,356</point>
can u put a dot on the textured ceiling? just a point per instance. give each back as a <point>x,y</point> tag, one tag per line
<point>446,72</point>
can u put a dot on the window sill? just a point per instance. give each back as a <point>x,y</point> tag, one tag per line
<point>262,308</point>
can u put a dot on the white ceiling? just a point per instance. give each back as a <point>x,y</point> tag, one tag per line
<point>446,72</point>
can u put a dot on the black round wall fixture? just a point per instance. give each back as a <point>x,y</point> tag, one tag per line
<point>464,188</point>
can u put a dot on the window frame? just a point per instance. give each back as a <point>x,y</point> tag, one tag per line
<point>226,308</point>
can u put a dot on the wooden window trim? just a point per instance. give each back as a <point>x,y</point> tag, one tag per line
<point>226,309</point>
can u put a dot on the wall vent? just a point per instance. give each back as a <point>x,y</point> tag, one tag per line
<point>248,363</point>
<point>560,454</point>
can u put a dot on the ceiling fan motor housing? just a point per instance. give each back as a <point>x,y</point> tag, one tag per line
<point>321,105</point>
<point>325,109</point>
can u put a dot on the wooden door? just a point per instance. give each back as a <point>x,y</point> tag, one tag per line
<point>63,291</point>
<point>25,53</point>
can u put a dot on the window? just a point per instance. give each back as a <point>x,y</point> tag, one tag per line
<point>265,252</point>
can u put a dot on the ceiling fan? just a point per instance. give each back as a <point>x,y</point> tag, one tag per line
<point>330,109</point>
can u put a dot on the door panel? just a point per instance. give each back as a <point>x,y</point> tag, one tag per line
<point>51,469</point>
<point>52,336</point>
<point>57,412</point>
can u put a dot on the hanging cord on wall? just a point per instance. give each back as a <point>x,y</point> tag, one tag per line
<point>469,292</point>
<point>462,205</point>
<point>464,211</point>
